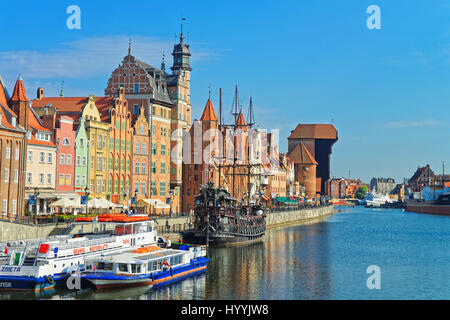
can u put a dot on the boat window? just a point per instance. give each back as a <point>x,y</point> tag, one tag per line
<point>104,266</point>
<point>123,267</point>
<point>136,268</point>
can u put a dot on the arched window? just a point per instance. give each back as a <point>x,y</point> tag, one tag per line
<point>66,142</point>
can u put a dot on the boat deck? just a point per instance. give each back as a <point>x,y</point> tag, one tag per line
<point>131,257</point>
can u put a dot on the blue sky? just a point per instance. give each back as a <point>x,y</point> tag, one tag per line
<point>386,90</point>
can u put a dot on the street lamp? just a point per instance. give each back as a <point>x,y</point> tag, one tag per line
<point>36,193</point>
<point>136,191</point>
<point>86,194</point>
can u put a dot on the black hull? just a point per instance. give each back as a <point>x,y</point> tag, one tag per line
<point>220,239</point>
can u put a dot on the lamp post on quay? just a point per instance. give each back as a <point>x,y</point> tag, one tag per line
<point>86,194</point>
<point>36,193</point>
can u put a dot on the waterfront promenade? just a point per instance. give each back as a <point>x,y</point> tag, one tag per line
<point>169,227</point>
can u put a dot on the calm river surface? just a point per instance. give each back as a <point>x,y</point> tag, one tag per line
<point>325,260</point>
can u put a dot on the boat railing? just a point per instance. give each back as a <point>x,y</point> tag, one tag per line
<point>82,243</point>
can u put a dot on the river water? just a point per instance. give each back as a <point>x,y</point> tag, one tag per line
<point>324,260</point>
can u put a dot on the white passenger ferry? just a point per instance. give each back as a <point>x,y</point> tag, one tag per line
<point>148,266</point>
<point>40,264</point>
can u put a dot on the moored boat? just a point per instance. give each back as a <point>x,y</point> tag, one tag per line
<point>149,266</point>
<point>219,219</point>
<point>440,206</point>
<point>41,264</point>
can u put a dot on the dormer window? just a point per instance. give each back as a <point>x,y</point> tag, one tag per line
<point>13,121</point>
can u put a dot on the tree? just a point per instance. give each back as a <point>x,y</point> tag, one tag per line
<point>361,192</point>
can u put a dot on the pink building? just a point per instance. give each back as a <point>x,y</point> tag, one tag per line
<point>65,157</point>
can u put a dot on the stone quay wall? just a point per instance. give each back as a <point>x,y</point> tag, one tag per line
<point>281,218</point>
<point>167,227</point>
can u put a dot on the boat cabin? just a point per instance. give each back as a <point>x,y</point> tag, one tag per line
<point>134,263</point>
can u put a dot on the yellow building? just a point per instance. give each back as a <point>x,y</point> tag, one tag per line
<point>97,133</point>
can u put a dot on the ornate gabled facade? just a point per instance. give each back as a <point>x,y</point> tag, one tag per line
<point>120,186</point>
<point>167,108</point>
<point>140,158</point>
<point>13,148</point>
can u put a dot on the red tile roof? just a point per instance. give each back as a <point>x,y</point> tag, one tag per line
<point>34,122</point>
<point>241,122</point>
<point>72,106</point>
<point>3,100</point>
<point>314,131</point>
<point>209,114</point>
<point>19,93</point>
<point>301,155</point>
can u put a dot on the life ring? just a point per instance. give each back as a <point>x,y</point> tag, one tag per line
<point>50,280</point>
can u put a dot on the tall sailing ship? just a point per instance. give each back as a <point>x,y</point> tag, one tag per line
<point>219,217</point>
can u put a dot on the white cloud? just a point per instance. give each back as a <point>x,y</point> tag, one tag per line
<point>412,124</point>
<point>88,57</point>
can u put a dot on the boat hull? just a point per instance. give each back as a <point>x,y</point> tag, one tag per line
<point>18,283</point>
<point>428,208</point>
<point>112,281</point>
<point>221,238</point>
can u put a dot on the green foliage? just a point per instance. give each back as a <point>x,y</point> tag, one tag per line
<point>361,192</point>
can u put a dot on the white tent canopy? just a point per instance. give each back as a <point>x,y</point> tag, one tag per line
<point>65,203</point>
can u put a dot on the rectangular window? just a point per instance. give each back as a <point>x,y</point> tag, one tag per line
<point>30,156</point>
<point>162,189</point>
<point>144,168</point>
<point>154,148</point>
<point>69,159</point>
<point>49,178</point>
<point>77,180</point>
<point>7,152</point>
<point>14,206</point>
<point>99,185</point>
<point>163,167</point>
<point>50,157</point>
<point>104,163</point>
<point>163,149</point>
<point>99,141</point>
<point>137,168</point>
<point>136,90</point>
<point>99,163</point>
<point>61,179</point>
<point>41,157</point>
<point>92,162</point>
<point>83,180</point>
<point>41,178</point>
<point>16,175</point>
<point>144,148</point>
<point>136,108</point>
<point>136,187</point>
<point>61,159</point>
<point>5,206</point>
<point>83,162</point>
<point>68,179</point>
<point>143,185</point>
<point>92,140</point>
<point>138,148</point>
<point>153,130</point>
<point>29,177</point>
<point>104,142</point>
<point>153,167</point>
<point>153,188</point>
<point>77,161</point>
<point>16,154</point>
<point>6,175</point>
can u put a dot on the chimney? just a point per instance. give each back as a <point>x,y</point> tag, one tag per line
<point>40,93</point>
